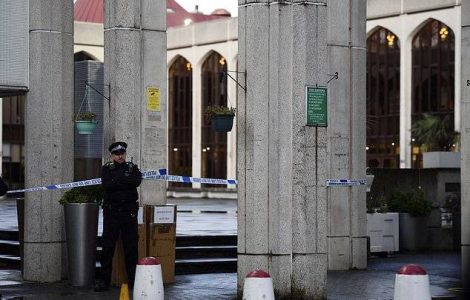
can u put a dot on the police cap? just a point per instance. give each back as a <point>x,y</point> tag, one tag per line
<point>117,147</point>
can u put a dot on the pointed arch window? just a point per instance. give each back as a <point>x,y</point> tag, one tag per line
<point>383,99</point>
<point>180,112</point>
<point>214,92</point>
<point>433,63</point>
<point>83,55</point>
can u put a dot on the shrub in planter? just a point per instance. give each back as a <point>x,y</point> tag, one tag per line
<point>81,229</point>
<point>85,116</point>
<point>377,205</point>
<point>409,201</point>
<point>85,122</point>
<point>86,194</point>
<point>414,209</point>
<point>219,110</point>
<point>435,133</point>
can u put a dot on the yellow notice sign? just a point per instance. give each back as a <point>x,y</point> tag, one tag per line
<point>153,98</point>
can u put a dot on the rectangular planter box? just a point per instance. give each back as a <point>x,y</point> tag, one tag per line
<point>413,233</point>
<point>441,159</point>
<point>383,232</point>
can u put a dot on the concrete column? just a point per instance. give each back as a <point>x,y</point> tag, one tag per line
<point>347,243</point>
<point>232,135</point>
<point>197,122</point>
<point>48,136</point>
<point>135,59</point>
<point>465,140</point>
<point>405,102</point>
<point>282,163</point>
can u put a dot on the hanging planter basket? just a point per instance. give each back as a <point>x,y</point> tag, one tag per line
<point>85,127</point>
<point>222,123</point>
<point>85,121</point>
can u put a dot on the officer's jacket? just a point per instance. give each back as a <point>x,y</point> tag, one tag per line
<point>3,187</point>
<point>120,182</point>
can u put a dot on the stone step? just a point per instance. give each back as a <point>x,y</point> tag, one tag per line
<point>206,252</point>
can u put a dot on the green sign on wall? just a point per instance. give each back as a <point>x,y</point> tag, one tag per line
<point>317,108</point>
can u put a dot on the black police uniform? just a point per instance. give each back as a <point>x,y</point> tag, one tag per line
<point>120,208</point>
<point>3,187</point>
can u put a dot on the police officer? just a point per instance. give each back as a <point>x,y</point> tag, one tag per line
<point>120,180</point>
<point>3,187</point>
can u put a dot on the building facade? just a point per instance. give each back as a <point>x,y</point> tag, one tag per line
<point>412,62</point>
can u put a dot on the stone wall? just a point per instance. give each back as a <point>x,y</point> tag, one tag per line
<point>385,8</point>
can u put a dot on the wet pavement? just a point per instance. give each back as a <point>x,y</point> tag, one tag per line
<point>208,216</point>
<point>195,216</point>
<point>377,282</point>
<point>205,216</point>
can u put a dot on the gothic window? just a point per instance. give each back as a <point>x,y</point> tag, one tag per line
<point>180,120</point>
<point>432,76</point>
<point>383,99</point>
<point>214,92</point>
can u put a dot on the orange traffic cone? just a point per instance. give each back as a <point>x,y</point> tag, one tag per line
<point>124,295</point>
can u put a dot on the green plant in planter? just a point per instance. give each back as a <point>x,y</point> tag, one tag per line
<point>85,122</point>
<point>377,205</point>
<point>435,133</point>
<point>219,110</point>
<point>85,116</point>
<point>85,194</point>
<point>409,201</point>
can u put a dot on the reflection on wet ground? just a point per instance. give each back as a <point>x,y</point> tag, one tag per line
<point>195,217</point>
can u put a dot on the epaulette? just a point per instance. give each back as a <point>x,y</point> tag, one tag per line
<point>110,165</point>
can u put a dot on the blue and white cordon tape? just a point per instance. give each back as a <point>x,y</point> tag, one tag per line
<point>159,174</point>
<point>345,182</point>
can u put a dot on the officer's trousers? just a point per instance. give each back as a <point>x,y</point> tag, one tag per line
<point>115,222</point>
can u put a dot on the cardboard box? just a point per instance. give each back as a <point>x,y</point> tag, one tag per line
<point>157,240</point>
<point>162,246</point>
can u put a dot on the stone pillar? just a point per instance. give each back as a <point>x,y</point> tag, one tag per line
<point>465,141</point>
<point>135,59</point>
<point>232,136</point>
<point>197,123</point>
<point>282,163</point>
<point>405,104</point>
<point>48,136</point>
<point>347,243</point>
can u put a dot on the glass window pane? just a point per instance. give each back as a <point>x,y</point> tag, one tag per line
<point>383,99</point>
<point>433,75</point>
<point>180,119</point>
<point>214,92</point>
